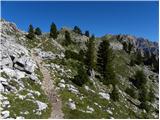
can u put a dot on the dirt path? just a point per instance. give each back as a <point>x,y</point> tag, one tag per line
<point>49,89</point>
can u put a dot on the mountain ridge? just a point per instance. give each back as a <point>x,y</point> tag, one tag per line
<point>21,78</point>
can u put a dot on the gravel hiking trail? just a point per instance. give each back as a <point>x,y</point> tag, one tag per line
<point>49,88</point>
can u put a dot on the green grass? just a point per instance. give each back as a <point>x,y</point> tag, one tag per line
<point>121,59</point>
<point>49,46</point>
<point>18,105</point>
<point>82,105</point>
<point>14,83</point>
<point>39,74</point>
<point>3,74</point>
<point>32,43</point>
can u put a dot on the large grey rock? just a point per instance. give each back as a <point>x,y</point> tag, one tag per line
<point>25,63</point>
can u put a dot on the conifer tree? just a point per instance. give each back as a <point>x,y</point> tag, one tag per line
<point>67,38</point>
<point>77,30</point>
<point>90,54</point>
<point>38,31</point>
<point>31,34</point>
<point>53,31</point>
<point>104,63</point>
<point>87,33</point>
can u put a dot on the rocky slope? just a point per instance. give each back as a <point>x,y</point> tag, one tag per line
<point>21,81</point>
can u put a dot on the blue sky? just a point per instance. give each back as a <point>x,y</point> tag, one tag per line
<point>134,18</point>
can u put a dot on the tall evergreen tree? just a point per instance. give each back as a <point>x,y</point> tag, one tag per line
<point>90,54</point>
<point>67,38</point>
<point>53,31</point>
<point>87,33</point>
<point>31,34</point>
<point>38,31</point>
<point>104,63</point>
<point>77,30</point>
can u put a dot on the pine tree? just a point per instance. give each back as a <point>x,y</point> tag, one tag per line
<point>87,33</point>
<point>53,31</point>
<point>90,54</point>
<point>77,30</point>
<point>67,38</point>
<point>104,63</point>
<point>31,34</point>
<point>38,31</point>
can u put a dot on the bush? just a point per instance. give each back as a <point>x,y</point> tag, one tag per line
<point>136,59</point>
<point>81,78</point>
<point>76,56</point>
<point>145,106</point>
<point>143,94</point>
<point>132,62</point>
<point>140,79</point>
<point>131,92</point>
<point>151,96</point>
<point>70,54</point>
<point>115,95</point>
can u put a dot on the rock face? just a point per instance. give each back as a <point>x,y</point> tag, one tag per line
<point>139,44</point>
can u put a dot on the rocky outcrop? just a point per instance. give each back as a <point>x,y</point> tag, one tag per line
<point>144,46</point>
<point>15,60</point>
